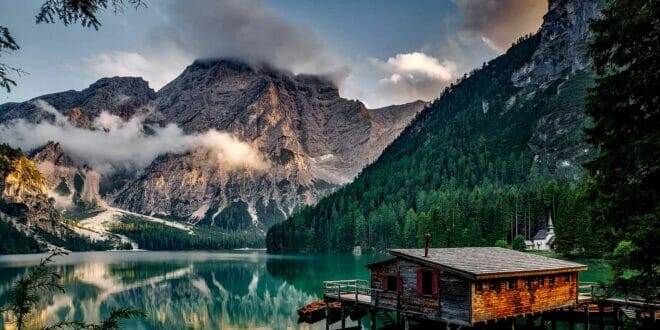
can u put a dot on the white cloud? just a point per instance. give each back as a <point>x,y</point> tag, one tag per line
<point>418,63</point>
<point>118,144</point>
<point>409,77</point>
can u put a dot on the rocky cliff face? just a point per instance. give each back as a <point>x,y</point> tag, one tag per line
<point>24,192</point>
<point>561,66</point>
<point>69,183</point>
<point>312,139</point>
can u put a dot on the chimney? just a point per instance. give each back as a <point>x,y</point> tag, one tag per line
<point>426,244</point>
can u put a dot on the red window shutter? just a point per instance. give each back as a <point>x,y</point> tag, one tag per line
<point>434,287</point>
<point>419,281</point>
<point>385,283</point>
<point>399,284</point>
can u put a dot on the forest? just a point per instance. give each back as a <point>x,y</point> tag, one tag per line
<point>463,171</point>
<point>157,236</point>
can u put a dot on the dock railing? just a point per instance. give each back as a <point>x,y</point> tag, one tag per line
<point>351,290</point>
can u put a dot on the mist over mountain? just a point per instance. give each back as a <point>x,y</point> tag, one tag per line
<point>225,144</point>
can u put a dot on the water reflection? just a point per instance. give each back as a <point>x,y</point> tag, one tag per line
<point>196,290</point>
<point>184,290</point>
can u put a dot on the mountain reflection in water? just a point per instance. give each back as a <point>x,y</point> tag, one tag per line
<point>182,290</point>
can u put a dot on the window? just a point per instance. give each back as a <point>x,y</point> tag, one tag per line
<point>541,281</point>
<point>551,281</point>
<point>528,283</point>
<point>392,283</point>
<point>511,284</point>
<point>567,278</point>
<point>479,287</point>
<point>427,282</point>
<point>494,286</point>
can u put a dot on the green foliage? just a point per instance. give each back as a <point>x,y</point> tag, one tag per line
<point>73,242</point>
<point>503,244</point>
<point>518,243</point>
<point>7,43</point>
<point>625,108</point>
<point>28,290</point>
<point>83,11</point>
<point>15,241</point>
<point>234,217</point>
<point>157,236</point>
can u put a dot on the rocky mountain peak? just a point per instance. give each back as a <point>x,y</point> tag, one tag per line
<point>563,41</point>
<point>314,139</point>
<point>52,152</point>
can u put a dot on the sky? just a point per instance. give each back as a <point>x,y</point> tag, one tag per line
<point>380,52</point>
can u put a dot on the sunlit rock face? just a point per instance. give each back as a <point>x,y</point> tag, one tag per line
<point>311,139</point>
<point>24,194</point>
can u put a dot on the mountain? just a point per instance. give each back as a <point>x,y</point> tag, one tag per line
<point>25,193</point>
<point>492,158</point>
<point>311,139</point>
<point>29,219</point>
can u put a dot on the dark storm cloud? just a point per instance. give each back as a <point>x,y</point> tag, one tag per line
<point>246,30</point>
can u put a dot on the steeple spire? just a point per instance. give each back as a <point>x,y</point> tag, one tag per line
<point>551,228</point>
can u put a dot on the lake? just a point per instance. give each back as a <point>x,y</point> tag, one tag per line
<point>199,289</point>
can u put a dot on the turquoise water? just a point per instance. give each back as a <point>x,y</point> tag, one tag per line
<point>195,290</point>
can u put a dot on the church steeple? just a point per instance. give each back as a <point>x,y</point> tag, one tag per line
<point>551,228</point>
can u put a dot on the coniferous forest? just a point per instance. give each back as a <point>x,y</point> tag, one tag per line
<point>463,172</point>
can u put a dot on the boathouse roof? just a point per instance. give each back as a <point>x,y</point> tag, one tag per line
<point>486,262</point>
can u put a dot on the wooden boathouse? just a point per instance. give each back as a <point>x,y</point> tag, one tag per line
<point>463,286</point>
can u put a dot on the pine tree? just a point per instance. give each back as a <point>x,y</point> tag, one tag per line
<point>625,107</point>
<point>410,229</point>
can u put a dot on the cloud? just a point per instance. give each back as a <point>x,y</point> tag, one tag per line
<point>245,30</point>
<point>500,22</point>
<point>117,144</point>
<point>413,76</point>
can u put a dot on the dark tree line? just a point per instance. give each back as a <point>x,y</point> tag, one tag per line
<point>624,189</point>
<point>157,236</point>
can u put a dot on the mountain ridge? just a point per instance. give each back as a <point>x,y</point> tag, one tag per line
<point>314,140</point>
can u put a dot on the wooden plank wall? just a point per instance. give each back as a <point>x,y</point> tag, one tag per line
<point>489,305</point>
<point>411,301</point>
<point>379,274</point>
<point>454,298</point>
<point>454,292</point>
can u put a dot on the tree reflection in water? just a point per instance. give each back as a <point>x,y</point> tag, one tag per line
<point>187,289</point>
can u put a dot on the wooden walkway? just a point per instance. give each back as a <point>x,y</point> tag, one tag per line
<point>351,292</point>
<point>362,299</point>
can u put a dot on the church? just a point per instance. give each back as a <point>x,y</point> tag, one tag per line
<point>544,239</point>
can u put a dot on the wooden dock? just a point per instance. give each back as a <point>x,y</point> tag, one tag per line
<point>357,294</point>
<point>351,292</point>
